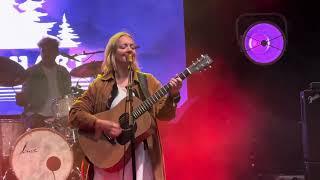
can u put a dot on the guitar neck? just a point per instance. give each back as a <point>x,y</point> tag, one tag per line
<point>150,101</point>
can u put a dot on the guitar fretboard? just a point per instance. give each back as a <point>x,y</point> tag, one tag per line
<point>150,101</point>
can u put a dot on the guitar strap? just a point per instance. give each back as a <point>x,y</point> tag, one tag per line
<point>142,77</point>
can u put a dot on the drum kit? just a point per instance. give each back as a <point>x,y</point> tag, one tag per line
<point>50,152</point>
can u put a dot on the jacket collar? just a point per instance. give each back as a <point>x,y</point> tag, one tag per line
<point>110,77</point>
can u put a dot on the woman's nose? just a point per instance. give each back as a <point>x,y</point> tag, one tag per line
<point>131,48</point>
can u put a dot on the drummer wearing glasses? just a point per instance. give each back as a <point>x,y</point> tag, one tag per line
<point>45,81</point>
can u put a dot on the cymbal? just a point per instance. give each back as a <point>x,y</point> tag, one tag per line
<point>11,72</point>
<point>87,70</point>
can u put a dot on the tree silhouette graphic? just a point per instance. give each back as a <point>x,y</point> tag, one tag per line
<point>23,27</point>
<point>66,34</point>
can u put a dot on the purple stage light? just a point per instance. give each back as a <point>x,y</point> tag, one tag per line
<point>264,43</point>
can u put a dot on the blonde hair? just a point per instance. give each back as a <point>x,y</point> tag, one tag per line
<point>108,65</point>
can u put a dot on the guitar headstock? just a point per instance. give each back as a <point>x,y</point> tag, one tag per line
<point>200,64</point>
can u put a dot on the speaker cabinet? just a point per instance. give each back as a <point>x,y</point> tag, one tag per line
<point>310,118</point>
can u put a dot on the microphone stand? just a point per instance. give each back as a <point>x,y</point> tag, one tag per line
<point>129,101</point>
<point>89,53</point>
<point>75,55</point>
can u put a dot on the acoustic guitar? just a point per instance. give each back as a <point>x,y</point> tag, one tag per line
<point>113,154</point>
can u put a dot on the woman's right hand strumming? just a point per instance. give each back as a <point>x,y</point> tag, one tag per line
<point>110,128</point>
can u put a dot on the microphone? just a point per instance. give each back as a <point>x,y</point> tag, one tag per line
<point>130,58</point>
<point>69,56</point>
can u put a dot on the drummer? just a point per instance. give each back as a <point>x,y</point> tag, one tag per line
<point>45,81</point>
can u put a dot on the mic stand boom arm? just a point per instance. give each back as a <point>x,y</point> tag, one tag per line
<point>89,53</point>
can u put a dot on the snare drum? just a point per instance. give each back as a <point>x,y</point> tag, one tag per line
<point>61,106</point>
<point>41,153</point>
<point>10,130</point>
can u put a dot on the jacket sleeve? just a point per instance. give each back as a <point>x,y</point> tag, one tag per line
<point>81,112</point>
<point>165,108</point>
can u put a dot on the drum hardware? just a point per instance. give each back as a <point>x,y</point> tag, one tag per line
<point>49,122</point>
<point>70,134</point>
<point>61,106</point>
<point>76,91</point>
<point>91,69</point>
<point>60,109</point>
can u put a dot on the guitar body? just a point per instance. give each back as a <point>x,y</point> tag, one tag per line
<point>104,154</point>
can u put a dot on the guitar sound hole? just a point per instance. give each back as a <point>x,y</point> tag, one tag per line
<point>128,131</point>
<point>124,121</point>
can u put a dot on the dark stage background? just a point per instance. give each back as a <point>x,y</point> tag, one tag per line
<point>240,113</point>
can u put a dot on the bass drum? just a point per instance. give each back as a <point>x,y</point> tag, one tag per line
<point>10,130</point>
<point>11,127</point>
<point>41,153</point>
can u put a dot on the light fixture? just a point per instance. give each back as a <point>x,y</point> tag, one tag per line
<point>262,40</point>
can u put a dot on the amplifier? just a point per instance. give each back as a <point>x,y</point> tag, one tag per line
<point>281,176</point>
<point>290,177</point>
<point>310,119</point>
